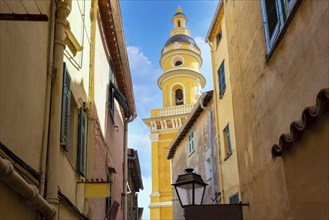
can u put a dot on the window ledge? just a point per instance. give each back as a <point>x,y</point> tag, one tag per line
<point>191,153</point>
<point>227,156</point>
<point>283,30</point>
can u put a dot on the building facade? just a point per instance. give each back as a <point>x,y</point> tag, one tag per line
<point>197,132</point>
<point>54,129</point>
<point>181,84</point>
<point>278,67</point>
<point>224,113</point>
<point>135,184</point>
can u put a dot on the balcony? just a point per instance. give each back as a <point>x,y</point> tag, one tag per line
<point>172,110</point>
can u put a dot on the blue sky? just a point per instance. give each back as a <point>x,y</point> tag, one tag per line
<point>147,26</point>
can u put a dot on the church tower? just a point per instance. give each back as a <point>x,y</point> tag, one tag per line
<point>181,84</point>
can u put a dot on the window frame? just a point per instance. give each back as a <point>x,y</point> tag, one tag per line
<point>191,145</point>
<point>219,37</point>
<point>227,141</point>
<point>221,80</point>
<point>286,11</point>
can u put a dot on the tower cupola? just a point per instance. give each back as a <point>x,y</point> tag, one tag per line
<point>181,82</point>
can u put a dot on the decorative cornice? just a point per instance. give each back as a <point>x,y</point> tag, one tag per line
<point>182,72</point>
<point>193,53</point>
<point>160,204</point>
<point>155,194</point>
<point>154,137</point>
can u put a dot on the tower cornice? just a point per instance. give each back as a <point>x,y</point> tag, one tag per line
<point>181,72</point>
<point>180,52</point>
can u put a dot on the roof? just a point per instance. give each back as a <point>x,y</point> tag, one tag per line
<point>112,24</point>
<point>179,13</point>
<point>309,116</point>
<point>192,117</point>
<point>213,22</point>
<point>180,38</point>
<point>134,171</point>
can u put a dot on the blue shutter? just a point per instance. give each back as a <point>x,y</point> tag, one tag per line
<point>234,199</point>
<point>228,138</point>
<point>81,142</point>
<point>66,103</point>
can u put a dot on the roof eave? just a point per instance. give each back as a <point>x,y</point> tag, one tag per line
<point>214,19</point>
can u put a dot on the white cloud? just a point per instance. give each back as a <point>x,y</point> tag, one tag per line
<point>206,69</point>
<point>144,196</point>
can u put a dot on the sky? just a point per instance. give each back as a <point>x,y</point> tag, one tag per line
<point>147,25</point>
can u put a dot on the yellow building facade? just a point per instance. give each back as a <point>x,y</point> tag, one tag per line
<point>225,124</point>
<point>181,84</point>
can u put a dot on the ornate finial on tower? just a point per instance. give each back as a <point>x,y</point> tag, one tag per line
<point>178,10</point>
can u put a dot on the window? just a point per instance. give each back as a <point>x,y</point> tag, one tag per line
<point>111,91</point>
<point>178,63</point>
<point>221,80</point>
<point>218,37</point>
<point>275,13</point>
<point>234,199</point>
<point>66,100</point>
<point>81,142</point>
<point>191,142</point>
<point>227,140</point>
<point>178,23</point>
<point>179,97</point>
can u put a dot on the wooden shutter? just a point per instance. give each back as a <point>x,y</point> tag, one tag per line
<point>81,142</point>
<point>228,138</point>
<point>221,76</point>
<point>66,103</point>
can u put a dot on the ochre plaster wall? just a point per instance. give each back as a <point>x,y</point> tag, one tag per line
<point>267,97</point>
<point>228,171</point>
<point>23,75</point>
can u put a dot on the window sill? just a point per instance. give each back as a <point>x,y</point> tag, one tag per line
<point>227,156</point>
<point>191,153</point>
<point>283,30</point>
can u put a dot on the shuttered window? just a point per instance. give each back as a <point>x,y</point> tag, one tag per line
<point>81,142</point>
<point>191,142</point>
<point>227,138</point>
<point>275,13</point>
<point>234,199</point>
<point>66,103</point>
<point>218,37</point>
<point>221,80</point>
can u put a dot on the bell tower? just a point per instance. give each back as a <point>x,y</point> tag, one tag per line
<point>181,84</point>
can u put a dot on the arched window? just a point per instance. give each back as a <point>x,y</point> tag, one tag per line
<point>179,97</point>
<point>178,23</point>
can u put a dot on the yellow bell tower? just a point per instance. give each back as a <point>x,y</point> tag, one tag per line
<point>181,84</point>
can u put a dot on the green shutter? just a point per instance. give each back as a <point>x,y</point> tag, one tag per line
<point>81,142</point>
<point>221,79</point>
<point>66,102</point>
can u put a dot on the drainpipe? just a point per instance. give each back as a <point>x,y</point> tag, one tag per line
<point>26,191</point>
<point>63,9</point>
<point>210,145</point>
<point>125,166</point>
<point>221,188</point>
<point>47,106</point>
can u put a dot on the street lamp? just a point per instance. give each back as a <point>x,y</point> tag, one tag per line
<point>190,188</point>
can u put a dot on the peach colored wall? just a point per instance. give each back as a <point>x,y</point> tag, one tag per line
<point>268,97</point>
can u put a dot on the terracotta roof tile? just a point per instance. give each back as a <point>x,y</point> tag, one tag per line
<point>309,116</point>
